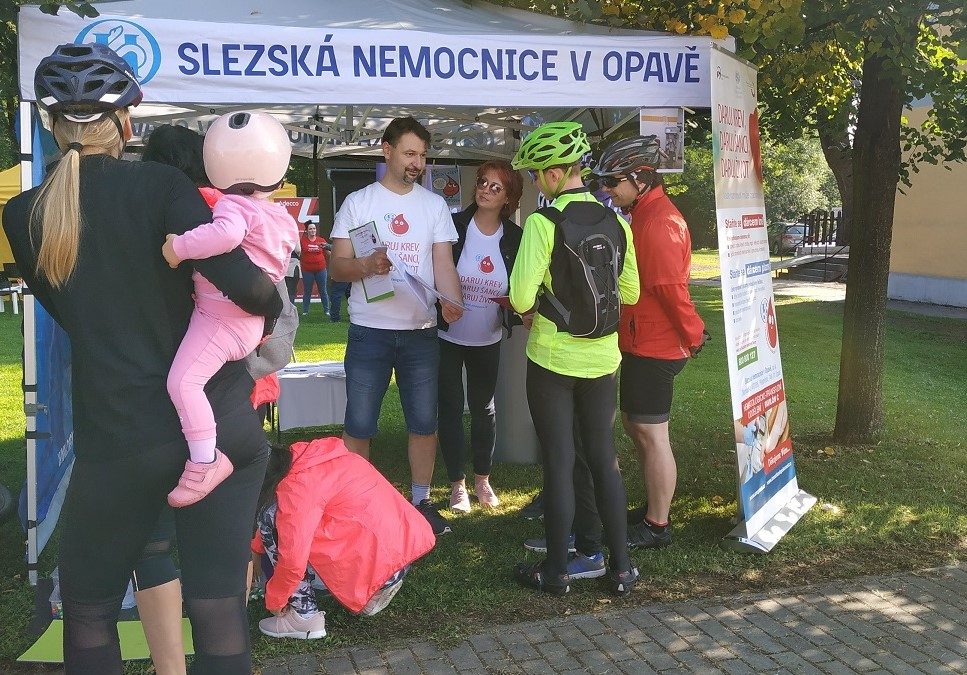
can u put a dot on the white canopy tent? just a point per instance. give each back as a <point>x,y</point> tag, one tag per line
<point>479,75</point>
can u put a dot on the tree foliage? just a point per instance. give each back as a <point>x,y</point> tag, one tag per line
<point>810,57</point>
<point>842,70</point>
<point>8,67</point>
<point>797,180</point>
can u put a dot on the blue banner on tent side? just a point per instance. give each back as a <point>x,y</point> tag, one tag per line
<point>55,429</point>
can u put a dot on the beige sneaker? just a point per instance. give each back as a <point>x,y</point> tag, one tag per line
<point>459,499</point>
<point>292,625</point>
<point>485,493</point>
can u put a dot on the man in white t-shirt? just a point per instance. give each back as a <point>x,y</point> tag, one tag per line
<point>398,333</point>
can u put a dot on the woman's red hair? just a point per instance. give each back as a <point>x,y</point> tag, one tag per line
<point>510,179</point>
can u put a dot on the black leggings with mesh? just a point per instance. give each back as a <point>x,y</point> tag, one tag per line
<point>560,405</point>
<point>110,513</point>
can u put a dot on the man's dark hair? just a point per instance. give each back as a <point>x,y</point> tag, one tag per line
<point>179,147</point>
<point>405,125</point>
<point>649,178</point>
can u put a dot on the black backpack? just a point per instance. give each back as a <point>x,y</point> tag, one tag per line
<point>588,255</point>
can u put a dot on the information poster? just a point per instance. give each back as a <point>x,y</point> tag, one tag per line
<point>766,471</point>
<point>445,181</point>
<point>365,240</point>
<point>668,126</point>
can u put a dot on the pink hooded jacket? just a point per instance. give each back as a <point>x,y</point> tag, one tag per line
<point>337,512</point>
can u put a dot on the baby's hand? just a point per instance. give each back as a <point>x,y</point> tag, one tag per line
<point>168,251</point>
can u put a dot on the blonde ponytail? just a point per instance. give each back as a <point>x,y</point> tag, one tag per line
<point>56,214</point>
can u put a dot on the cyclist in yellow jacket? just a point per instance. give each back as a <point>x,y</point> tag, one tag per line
<point>570,378</point>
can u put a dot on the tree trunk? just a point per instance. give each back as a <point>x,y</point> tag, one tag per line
<point>839,157</point>
<point>876,167</point>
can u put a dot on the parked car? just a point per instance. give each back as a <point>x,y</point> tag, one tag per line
<point>786,237</point>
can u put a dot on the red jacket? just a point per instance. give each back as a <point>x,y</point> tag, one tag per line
<point>313,254</point>
<point>336,511</point>
<point>266,390</point>
<point>210,195</point>
<point>663,324</point>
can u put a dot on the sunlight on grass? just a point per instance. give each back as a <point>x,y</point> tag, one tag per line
<point>898,504</point>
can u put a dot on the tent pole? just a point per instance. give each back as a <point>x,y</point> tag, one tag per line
<point>25,122</point>
<point>315,153</point>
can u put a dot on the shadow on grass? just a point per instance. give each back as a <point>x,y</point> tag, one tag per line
<point>897,505</point>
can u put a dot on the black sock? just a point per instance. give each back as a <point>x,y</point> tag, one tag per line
<point>655,527</point>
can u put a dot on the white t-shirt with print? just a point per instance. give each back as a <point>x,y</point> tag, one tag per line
<point>483,275</point>
<point>409,225</point>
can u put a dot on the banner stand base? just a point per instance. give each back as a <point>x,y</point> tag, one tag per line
<point>771,532</point>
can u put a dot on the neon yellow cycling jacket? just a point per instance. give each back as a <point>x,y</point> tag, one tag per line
<point>555,350</point>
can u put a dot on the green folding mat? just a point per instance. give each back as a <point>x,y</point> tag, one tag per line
<point>49,647</point>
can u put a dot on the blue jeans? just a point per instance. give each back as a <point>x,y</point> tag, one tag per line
<point>320,279</point>
<point>339,290</point>
<point>372,354</point>
<point>482,364</point>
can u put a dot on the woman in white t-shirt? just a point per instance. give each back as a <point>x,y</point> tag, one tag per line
<point>484,255</point>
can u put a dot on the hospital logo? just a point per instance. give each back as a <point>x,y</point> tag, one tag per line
<point>131,41</point>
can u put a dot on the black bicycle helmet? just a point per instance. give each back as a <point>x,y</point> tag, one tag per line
<point>84,82</point>
<point>628,155</point>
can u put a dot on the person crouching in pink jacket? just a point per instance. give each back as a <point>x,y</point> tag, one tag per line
<point>326,514</point>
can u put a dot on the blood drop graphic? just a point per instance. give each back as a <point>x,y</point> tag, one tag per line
<point>451,188</point>
<point>486,265</point>
<point>772,331</point>
<point>399,225</point>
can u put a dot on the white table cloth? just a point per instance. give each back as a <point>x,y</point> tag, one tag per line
<point>312,395</point>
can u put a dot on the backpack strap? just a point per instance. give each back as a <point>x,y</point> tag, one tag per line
<point>554,215</point>
<point>557,312</point>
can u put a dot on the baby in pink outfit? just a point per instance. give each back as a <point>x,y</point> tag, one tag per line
<point>246,155</point>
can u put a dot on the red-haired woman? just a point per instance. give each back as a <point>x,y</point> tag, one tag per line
<point>484,255</point>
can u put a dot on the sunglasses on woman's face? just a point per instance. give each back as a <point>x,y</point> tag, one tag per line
<point>609,182</point>
<point>533,174</point>
<point>492,185</point>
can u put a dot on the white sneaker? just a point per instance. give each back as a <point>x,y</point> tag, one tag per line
<point>292,625</point>
<point>459,499</point>
<point>485,494</point>
<point>383,596</point>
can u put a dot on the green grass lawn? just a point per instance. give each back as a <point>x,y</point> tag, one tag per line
<point>899,504</point>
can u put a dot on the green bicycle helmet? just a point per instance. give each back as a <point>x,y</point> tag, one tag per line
<point>552,144</point>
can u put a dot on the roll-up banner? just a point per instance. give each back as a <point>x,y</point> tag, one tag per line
<point>770,501</point>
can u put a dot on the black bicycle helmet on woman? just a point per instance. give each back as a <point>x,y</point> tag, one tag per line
<point>85,82</point>
<point>629,155</point>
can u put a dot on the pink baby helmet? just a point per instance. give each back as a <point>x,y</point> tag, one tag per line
<point>247,152</point>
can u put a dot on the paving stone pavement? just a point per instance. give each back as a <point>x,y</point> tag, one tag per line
<point>910,623</point>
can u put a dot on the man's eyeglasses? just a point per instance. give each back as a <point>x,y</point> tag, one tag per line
<point>492,185</point>
<point>609,182</point>
<point>533,174</point>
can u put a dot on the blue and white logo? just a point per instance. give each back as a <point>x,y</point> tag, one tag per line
<point>131,41</point>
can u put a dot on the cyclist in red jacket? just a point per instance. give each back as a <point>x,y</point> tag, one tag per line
<point>660,332</point>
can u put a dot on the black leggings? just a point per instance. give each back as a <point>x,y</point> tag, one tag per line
<point>482,364</point>
<point>110,512</point>
<point>156,566</point>
<point>556,402</point>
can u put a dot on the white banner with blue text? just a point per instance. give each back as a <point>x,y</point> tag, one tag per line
<point>218,63</point>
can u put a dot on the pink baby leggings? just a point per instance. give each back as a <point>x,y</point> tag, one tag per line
<point>212,340</point>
